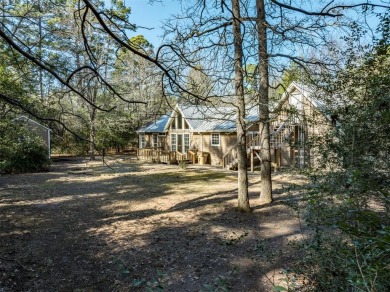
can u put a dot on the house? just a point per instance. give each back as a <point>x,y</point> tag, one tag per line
<point>153,134</point>
<point>207,131</point>
<point>299,118</point>
<point>207,135</point>
<point>199,133</point>
<point>40,130</point>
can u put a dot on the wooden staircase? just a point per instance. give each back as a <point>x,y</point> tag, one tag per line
<point>281,135</point>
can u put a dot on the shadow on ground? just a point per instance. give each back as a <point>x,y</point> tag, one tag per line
<point>137,226</point>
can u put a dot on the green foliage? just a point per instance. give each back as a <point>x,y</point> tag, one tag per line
<point>348,202</point>
<point>251,78</point>
<point>20,150</point>
<point>140,43</point>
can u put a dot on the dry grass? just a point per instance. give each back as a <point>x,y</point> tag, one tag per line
<point>137,225</point>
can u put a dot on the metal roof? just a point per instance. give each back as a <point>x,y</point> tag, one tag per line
<point>157,126</point>
<point>213,119</point>
<point>28,120</point>
<point>202,119</point>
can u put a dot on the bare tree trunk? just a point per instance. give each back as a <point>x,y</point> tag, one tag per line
<point>265,152</point>
<point>243,197</point>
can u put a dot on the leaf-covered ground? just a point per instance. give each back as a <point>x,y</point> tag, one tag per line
<point>134,226</point>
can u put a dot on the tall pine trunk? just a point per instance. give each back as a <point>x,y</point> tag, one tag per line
<point>243,197</point>
<point>265,152</point>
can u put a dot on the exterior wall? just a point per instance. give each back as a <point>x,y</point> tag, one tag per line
<point>202,142</point>
<point>41,132</point>
<point>312,125</point>
<point>316,126</point>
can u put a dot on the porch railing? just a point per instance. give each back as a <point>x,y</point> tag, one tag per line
<point>157,155</point>
<point>230,157</point>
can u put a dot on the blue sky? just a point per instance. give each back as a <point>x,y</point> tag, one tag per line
<point>151,15</point>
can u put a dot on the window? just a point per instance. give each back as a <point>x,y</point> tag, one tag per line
<point>173,142</point>
<point>215,140</point>
<point>186,142</point>
<point>142,142</point>
<point>155,141</point>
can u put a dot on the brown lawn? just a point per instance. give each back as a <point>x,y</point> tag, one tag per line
<point>86,227</point>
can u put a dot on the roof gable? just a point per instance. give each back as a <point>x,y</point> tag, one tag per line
<point>309,93</point>
<point>31,121</point>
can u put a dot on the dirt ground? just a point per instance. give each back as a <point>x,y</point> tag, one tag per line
<point>138,226</point>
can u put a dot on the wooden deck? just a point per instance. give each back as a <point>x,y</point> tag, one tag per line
<point>164,156</point>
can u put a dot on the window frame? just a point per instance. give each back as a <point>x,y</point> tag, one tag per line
<point>212,139</point>
<point>186,142</point>
<point>173,145</point>
<point>142,141</point>
<point>155,140</point>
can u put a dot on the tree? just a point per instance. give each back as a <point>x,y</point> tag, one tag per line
<point>271,33</point>
<point>243,197</point>
<point>198,83</point>
<point>264,127</point>
<point>73,47</point>
<point>349,193</point>
<point>212,45</point>
<point>277,34</point>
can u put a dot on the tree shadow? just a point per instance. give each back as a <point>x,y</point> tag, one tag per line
<point>130,230</point>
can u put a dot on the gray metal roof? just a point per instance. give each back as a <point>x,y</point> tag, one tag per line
<point>214,119</point>
<point>28,120</point>
<point>202,119</point>
<point>157,126</point>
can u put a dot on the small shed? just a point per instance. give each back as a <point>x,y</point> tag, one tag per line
<point>40,130</point>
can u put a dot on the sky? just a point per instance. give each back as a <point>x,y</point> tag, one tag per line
<point>145,14</point>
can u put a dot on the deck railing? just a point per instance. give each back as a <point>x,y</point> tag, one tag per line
<point>157,155</point>
<point>278,137</point>
<point>230,157</point>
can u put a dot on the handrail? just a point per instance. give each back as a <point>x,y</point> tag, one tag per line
<point>256,140</point>
<point>181,156</point>
<point>279,136</point>
<point>157,155</point>
<point>229,156</point>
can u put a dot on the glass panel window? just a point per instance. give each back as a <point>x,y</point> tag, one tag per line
<point>173,142</point>
<point>142,142</point>
<point>215,140</point>
<point>155,140</point>
<point>186,142</point>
